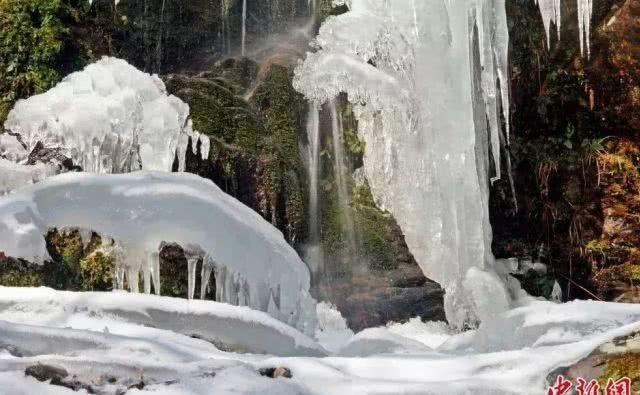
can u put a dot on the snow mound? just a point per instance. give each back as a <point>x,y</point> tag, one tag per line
<point>234,327</point>
<point>374,341</point>
<point>332,332</point>
<point>109,117</point>
<point>250,260</point>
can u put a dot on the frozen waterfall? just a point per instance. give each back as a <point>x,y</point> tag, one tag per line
<point>426,78</point>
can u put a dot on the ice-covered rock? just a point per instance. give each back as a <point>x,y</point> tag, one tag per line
<point>108,118</point>
<point>249,258</point>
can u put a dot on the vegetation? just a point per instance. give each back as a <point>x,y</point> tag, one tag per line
<point>37,46</point>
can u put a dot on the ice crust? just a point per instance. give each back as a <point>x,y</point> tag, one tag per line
<point>426,77</point>
<point>252,263</point>
<point>109,118</point>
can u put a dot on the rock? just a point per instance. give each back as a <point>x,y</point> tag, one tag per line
<point>612,360</point>
<point>43,372</point>
<point>274,373</point>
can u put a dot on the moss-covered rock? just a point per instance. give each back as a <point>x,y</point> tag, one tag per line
<point>253,117</point>
<point>73,266</point>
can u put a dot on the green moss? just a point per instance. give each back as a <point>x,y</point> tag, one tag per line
<point>619,366</point>
<point>96,270</point>
<point>36,46</point>
<point>20,274</point>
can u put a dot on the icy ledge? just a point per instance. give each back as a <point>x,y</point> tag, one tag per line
<point>250,259</point>
<point>236,328</point>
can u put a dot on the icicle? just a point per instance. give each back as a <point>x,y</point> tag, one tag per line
<point>146,278</point>
<point>556,293</point>
<point>221,274</point>
<point>191,280</point>
<point>207,268</point>
<point>133,279</point>
<point>205,146</point>
<point>244,26</point>
<point>585,11</point>
<point>550,11</point>
<point>154,268</point>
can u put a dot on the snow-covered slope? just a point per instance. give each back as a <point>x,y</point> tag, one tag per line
<point>252,263</point>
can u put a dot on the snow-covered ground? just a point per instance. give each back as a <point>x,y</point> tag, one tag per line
<point>162,340</point>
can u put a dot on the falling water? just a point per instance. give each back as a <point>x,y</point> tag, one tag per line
<point>313,135</point>
<point>340,170</point>
<point>244,25</point>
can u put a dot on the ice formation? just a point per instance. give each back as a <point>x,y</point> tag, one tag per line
<point>551,13</point>
<point>425,78</point>
<point>109,118</point>
<point>250,260</point>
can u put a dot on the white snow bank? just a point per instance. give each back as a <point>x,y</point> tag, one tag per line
<point>235,327</point>
<point>109,117</point>
<point>517,360</point>
<point>252,263</point>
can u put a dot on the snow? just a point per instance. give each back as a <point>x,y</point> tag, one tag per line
<point>250,259</point>
<point>235,327</point>
<point>14,176</point>
<point>423,86</point>
<point>109,118</point>
<point>122,335</point>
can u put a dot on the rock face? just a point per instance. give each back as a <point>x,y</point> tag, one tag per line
<point>574,150</point>
<point>613,361</point>
<point>253,117</point>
